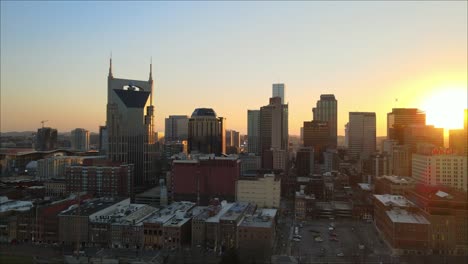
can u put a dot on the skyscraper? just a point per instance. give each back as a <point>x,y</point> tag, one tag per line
<point>274,125</point>
<point>362,135</point>
<point>46,139</point>
<point>130,114</point>
<point>274,131</point>
<point>206,132</point>
<point>317,136</point>
<point>278,91</point>
<point>253,131</point>
<point>327,110</point>
<point>176,128</point>
<point>399,118</point>
<point>80,139</point>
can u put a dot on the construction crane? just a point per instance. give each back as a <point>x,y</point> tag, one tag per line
<point>43,121</point>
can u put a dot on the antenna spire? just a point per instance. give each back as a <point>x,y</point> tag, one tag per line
<point>151,68</point>
<point>110,65</point>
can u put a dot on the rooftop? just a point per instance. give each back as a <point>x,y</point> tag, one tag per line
<point>90,207</point>
<point>12,205</point>
<point>204,112</point>
<point>402,216</point>
<point>365,186</point>
<point>170,211</point>
<point>235,211</point>
<point>262,218</point>
<point>396,200</point>
<point>224,209</point>
<point>153,192</point>
<point>398,179</point>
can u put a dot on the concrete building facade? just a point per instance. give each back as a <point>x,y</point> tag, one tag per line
<point>264,191</point>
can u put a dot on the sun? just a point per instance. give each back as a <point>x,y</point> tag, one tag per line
<point>445,107</point>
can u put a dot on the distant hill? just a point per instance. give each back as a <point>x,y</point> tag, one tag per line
<point>17,134</point>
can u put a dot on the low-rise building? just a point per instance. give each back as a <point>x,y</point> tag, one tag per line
<point>447,210</point>
<point>127,231</point>
<point>153,227</point>
<point>229,222</point>
<point>74,222</point>
<point>256,235</point>
<point>392,184</point>
<point>264,191</point>
<point>401,223</point>
<point>304,205</point>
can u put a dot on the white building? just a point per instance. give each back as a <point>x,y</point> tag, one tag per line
<point>437,167</point>
<point>264,191</point>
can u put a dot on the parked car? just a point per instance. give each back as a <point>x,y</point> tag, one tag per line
<point>340,254</point>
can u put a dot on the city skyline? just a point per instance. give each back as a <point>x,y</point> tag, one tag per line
<point>57,72</point>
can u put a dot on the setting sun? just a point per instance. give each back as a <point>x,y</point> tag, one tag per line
<point>445,107</point>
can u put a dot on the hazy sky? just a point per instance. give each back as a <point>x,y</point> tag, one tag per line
<point>226,55</point>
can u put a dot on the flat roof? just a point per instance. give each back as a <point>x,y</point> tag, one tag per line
<point>263,219</point>
<point>403,216</point>
<point>169,212</point>
<point>235,211</point>
<point>398,179</point>
<point>365,186</point>
<point>11,205</point>
<point>397,200</point>
<point>224,209</point>
<point>90,207</point>
<point>155,191</point>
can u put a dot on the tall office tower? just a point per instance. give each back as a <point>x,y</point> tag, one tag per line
<point>362,135</point>
<point>176,128</point>
<point>278,91</point>
<point>253,131</point>
<point>206,132</point>
<point>273,128</point>
<point>317,136</point>
<point>103,140</point>
<point>399,118</point>
<point>46,139</point>
<point>458,138</point>
<point>274,134</point>
<point>130,120</point>
<point>413,135</point>
<point>232,139</point>
<point>327,110</point>
<point>80,139</point>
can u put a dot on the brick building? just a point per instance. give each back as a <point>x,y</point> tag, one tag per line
<point>199,180</point>
<point>102,178</point>
<point>401,224</point>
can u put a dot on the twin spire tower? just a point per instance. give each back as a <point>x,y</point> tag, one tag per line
<point>130,125</point>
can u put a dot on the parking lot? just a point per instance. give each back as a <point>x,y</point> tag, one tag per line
<point>351,241</point>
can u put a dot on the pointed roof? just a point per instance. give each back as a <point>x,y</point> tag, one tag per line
<point>133,99</point>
